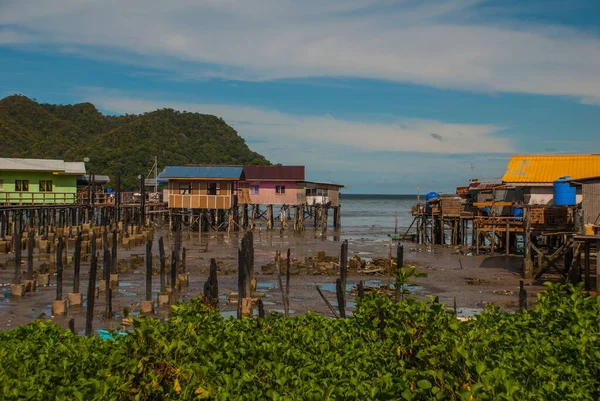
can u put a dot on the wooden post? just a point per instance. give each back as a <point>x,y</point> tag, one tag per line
<point>77,263</point>
<point>114,263</point>
<point>72,325</point>
<point>211,288</point>
<point>587,283</point>
<point>173,276</point>
<point>91,295</point>
<point>59,269</point>
<point>245,270</point>
<point>287,283</point>
<point>30,246</point>
<point>142,222</point>
<point>528,263</point>
<point>341,281</point>
<point>17,245</point>
<point>598,268</point>
<point>149,270</point>
<point>493,244</point>
<point>331,308</point>
<point>161,250</point>
<point>106,264</point>
<point>361,289</point>
<point>183,260</point>
<point>399,265</point>
<point>522,296</point>
<point>281,285</point>
<point>507,244</point>
<point>261,309</point>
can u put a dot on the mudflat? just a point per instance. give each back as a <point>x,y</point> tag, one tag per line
<point>453,275</point>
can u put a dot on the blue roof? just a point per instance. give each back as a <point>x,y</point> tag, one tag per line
<point>222,172</point>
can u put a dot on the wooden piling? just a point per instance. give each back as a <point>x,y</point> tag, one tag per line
<point>161,250</point>
<point>77,263</point>
<point>173,277</point>
<point>30,247</point>
<point>522,296</point>
<point>91,295</point>
<point>399,265</point>
<point>59,269</point>
<point>149,270</point>
<point>17,247</point>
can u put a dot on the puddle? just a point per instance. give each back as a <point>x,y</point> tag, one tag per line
<point>281,311</point>
<point>468,312</point>
<point>331,286</point>
<point>229,313</point>
<point>127,293</point>
<point>266,286</point>
<point>349,304</point>
<point>125,284</point>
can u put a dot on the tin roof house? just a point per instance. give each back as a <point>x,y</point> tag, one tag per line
<point>38,181</point>
<point>201,187</point>
<point>271,185</point>
<point>536,174</point>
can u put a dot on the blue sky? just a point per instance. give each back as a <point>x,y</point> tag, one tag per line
<point>380,95</point>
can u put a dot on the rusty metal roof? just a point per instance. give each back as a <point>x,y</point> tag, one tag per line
<point>274,173</point>
<point>546,168</point>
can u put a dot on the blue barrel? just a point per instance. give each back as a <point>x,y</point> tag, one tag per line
<point>518,213</point>
<point>430,195</point>
<point>564,193</point>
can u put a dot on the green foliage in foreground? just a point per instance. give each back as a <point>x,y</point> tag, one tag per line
<point>421,353</point>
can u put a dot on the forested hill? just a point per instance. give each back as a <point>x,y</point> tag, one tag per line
<point>118,144</point>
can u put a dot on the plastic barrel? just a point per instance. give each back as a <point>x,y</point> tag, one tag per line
<point>564,193</point>
<point>430,195</point>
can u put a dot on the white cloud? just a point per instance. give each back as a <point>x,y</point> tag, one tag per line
<point>276,130</point>
<point>444,43</point>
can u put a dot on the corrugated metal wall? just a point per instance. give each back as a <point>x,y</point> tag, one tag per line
<point>591,201</point>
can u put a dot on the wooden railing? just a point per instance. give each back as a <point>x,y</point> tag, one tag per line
<point>38,198</point>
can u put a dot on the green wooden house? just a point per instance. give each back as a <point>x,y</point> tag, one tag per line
<point>38,181</point>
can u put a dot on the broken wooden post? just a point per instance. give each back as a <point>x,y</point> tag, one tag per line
<point>183,278</point>
<point>282,288</point>
<point>361,289</point>
<point>245,273</point>
<point>91,294</point>
<point>72,325</point>
<point>399,265</point>
<point>212,286</point>
<point>331,308</point>
<point>76,298</point>
<point>287,282</point>
<point>261,309</point>
<point>522,296</point>
<point>341,281</point>
<point>59,306</point>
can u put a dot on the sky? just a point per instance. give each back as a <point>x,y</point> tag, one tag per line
<point>383,96</point>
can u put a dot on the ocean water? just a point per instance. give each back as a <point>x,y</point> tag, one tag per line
<point>374,216</point>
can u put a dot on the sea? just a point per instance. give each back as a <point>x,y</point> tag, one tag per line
<point>375,216</point>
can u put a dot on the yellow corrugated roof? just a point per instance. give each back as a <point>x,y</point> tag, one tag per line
<point>547,168</point>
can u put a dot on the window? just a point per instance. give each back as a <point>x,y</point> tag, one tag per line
<point>212,188</point>
<point>45,186</point>
<point>185,188</point>
<point>22,185</point>
<point>253,189</point>
<point>280,189</point>
<point>311,191</point>
<point>322,192</point>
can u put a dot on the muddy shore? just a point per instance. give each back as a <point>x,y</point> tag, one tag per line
<point>452,273</point>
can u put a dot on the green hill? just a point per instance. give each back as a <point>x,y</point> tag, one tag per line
<point>118,144</point>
